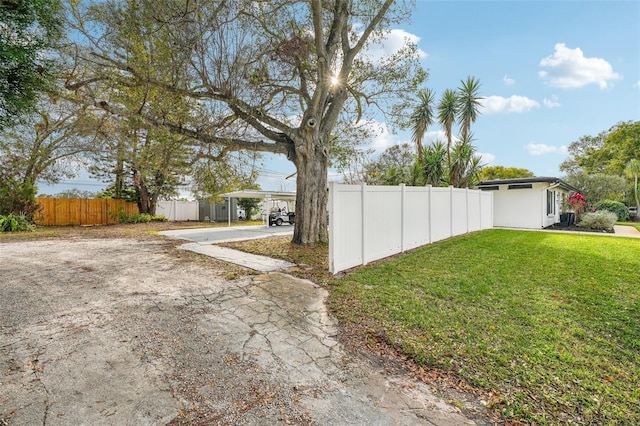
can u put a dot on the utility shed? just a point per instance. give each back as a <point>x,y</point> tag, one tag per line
<point>530,203</point>
<point>209,211</point>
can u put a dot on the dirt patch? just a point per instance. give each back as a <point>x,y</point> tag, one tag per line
<point>134,331</point>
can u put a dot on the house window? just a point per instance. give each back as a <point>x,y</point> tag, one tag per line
<point>521,186</point>
<point>490,188</point>
<point>551,203</point>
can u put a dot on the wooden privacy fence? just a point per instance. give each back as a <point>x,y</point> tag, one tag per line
<point>81,211</point>
<point>367,223</point>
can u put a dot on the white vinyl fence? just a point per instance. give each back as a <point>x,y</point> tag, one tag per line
<point>367,223</point>
<point>178,210</point>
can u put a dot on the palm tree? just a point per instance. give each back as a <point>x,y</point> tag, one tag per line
<point>422,118</point>
<point>447,113</point>
<point>468,104</point>
<point>633,170</point>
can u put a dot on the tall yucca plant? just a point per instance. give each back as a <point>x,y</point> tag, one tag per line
<point>468,103</point>
<point>447,113</point>
<point>422,118</point>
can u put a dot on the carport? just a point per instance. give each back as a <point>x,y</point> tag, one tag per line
<point>262,195</point>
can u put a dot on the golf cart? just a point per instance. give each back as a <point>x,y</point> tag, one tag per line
<point>279,216</point>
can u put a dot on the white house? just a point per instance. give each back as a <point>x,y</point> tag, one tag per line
<point>531,203</point>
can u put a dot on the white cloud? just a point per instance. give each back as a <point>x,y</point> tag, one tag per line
<point>487,158</point>
<point>515,103</point>
<point>392,42</point>
<point>541,149</point>
<point>568,68</point>
<point>382,138</point>
<point>636,85</point>
<point>508,81</point>
<point>551,103</point>
<point>435,136</point>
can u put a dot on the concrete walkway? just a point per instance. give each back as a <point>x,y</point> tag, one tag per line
<point>626,231</point>
<point>251,261</point>
<point>204,240</point>
<point>227,234</point>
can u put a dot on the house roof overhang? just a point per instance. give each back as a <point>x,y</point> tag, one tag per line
<point>539,179</point>
<point>272,195</point>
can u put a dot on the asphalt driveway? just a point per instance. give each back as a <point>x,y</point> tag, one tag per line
<point>127,332</point>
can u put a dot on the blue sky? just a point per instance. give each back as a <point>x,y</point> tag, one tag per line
<point>551,71</point>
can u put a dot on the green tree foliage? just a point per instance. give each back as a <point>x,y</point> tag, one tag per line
<point>16,195</point>
<point>632,170</point>
<point>29,29</point>
<point>598,187</point>
<point>621,145</point>
<point>46,145</point>
<point>250,206</point>
<point>502,172</point>
<point>42,146</point>
<point>399,164</point>
<point>215,177</point>
<point>74,193</point>
<point>275,76</point>
<point>607,153</point>
<point>396,165</point>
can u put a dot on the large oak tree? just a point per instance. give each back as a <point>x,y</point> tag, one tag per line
<point>608,152</point>
<point>274,76</point>
<point>29,30</point>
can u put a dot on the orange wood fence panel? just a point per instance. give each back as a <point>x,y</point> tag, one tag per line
<point>81,211</point>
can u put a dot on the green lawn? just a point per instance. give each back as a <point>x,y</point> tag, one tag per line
<point>550,322</point>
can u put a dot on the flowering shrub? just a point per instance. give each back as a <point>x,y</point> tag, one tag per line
<point>577,201</point>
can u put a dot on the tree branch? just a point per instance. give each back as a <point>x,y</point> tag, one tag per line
<point>281,146</point>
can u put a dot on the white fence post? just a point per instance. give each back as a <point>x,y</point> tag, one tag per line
<point>466,196</point>
<point>429,215</point>
<point>332,197</point>
<point>403,217</point>
<point>363,194</point>
<point>451,211</point>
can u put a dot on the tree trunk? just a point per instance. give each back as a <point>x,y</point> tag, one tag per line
<point>635,191</point>
<point>147,201</point>
<point>311,193</point>
<point>143,199</point>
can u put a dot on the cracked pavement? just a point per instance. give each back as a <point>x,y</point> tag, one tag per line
<point>119,331</point>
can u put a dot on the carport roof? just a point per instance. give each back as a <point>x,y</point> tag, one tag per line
<point>552,180</point>
<point>273,195</point>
